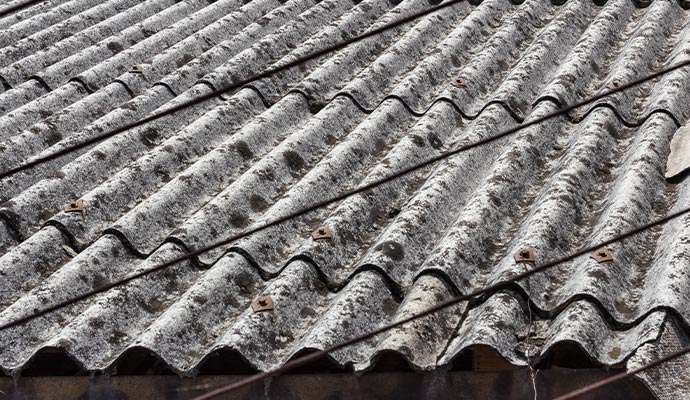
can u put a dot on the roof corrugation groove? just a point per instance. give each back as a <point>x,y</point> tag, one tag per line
<point>41,15</point>
<point>280,144</point>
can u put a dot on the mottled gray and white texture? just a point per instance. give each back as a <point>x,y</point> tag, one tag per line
<point>304,135</point>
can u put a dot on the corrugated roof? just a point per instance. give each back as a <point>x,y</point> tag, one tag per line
<point>216,169</point>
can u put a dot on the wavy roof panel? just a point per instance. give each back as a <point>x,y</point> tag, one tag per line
<point>273,147</point>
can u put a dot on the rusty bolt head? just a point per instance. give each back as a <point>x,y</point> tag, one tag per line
<point>615,84</point>
<point>322,233</point>
<point>602,255</point>
<point>136,69</point>
<point>263,303</point>
<point>458,82</point>
<point>75,206</point>
<point>524,255</point>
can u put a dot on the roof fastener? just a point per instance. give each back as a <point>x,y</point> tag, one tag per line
<point>263,303</point>
<point>524,255</point>
<point>602,255</point>
<point>75,206</point>
<point>321,233</point>
<point>136,69</point>
<point>458,82</point>
<point>70,251</point>
<point>615,84</point>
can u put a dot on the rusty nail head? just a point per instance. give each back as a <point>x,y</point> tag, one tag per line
<point>75,206</point>
<point>615,84</point>
<point>321,233</point>
<point>458,82</point>
<point>263,303</point>
<point>602,255</point>
<point>524,255</point>
<point>136,69</point>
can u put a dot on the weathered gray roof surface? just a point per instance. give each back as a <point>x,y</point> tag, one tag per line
<point>216,169</point>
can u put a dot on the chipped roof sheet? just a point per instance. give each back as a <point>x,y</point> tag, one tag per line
<point>213,170</point>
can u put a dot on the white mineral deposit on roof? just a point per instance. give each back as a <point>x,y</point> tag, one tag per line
<point>679,159</point>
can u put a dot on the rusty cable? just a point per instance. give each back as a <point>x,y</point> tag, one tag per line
<point>505,284</point>
<point>405,171</point>
<point>227,88</point>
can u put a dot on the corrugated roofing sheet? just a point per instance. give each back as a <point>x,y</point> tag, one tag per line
<point>369,110</point>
